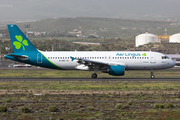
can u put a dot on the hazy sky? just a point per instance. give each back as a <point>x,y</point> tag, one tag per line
<point>17,10</point>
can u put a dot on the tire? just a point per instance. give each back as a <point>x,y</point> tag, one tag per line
<point>152,77</point>
<point>94,76</point>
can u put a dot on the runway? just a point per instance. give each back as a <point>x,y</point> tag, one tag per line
<point>89,79</point>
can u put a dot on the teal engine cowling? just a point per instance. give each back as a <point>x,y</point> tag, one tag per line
<point>117,70</point>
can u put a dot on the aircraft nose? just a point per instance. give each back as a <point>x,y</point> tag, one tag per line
<point>173,63</point>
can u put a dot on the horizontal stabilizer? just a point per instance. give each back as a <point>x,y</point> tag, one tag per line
<point>18,56</point>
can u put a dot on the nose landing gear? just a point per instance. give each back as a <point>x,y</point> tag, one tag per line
<point>152,76</point>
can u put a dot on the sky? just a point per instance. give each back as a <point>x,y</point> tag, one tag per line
<point>22,10</point>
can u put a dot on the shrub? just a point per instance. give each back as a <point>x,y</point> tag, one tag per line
<point>125,107</point>
<point>169,105</point>
<point>118,106</point>
<point>161,106</point>
<point>107,118</point>
<point>52,109</point>
<point>156,106</point>
<point>90,108</point>
<point>8,100</point>
<point>178,95</point>
<point>129,103</point>
<point>24,109</point>
<point>3,109</point>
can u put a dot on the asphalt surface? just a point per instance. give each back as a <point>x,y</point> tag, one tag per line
<point>89,79</point>
<point>86,79</point>
<point>177,68</point>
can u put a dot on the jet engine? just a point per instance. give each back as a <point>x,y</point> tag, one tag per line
<point>117,70</point>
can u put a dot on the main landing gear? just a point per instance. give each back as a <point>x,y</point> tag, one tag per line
<point>94,75</point>
<point>152,76</point>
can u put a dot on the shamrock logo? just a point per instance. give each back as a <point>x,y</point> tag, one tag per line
<point>20,42</point>
<point>144,54</point>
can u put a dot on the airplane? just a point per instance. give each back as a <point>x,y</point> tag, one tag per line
<point>112,62</point>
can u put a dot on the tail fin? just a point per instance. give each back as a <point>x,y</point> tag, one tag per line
<point>19,41</point>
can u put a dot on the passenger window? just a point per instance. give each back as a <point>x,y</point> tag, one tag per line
<point>147,57</point>
<point>97,57</point>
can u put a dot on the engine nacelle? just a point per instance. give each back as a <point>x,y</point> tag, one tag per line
<point>117,70</point>
<point>82,67</point>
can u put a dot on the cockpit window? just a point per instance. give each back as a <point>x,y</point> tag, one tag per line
<point>165,57</point>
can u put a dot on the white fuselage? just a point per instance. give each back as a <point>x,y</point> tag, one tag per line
<point>132,60</point>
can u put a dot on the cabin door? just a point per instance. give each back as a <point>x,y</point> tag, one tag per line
<point>153,58</point>
<point>39,58</point>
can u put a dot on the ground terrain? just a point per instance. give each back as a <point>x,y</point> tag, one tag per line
<point>89,100</point>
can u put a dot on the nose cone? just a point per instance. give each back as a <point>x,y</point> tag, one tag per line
<point>172,63</point>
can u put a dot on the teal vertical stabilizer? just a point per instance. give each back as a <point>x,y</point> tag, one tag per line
<point>19,41</point>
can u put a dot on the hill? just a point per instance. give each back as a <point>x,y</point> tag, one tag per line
<point>103,27</point>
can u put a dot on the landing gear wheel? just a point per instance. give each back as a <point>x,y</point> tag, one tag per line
<point>94,76</point>
<point>152,77</point>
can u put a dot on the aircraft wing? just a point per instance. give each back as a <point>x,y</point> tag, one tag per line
<point>96,64</point>
<point>85,61</point>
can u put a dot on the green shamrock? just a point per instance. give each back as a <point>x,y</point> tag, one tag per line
<point>20,42</point>
<point>144,54</point>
